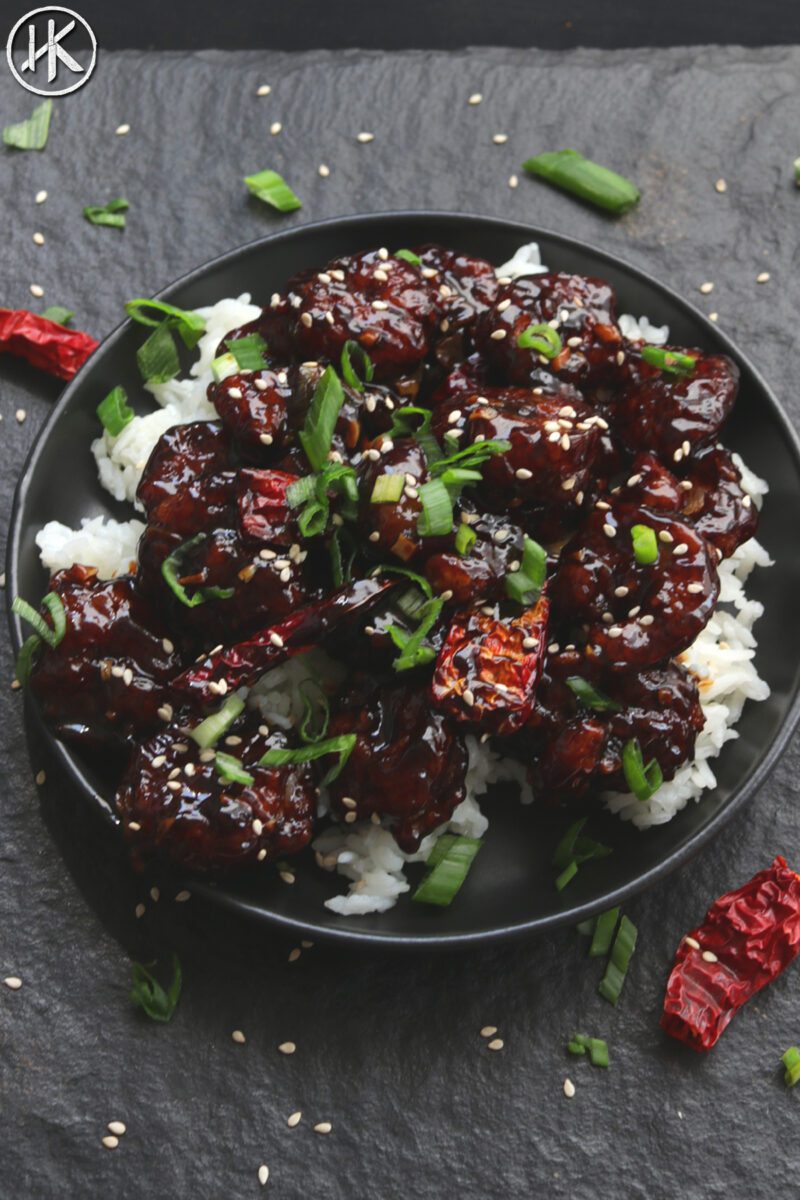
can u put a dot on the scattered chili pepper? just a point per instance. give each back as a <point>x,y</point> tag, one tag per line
<point>746,940</point>
<point>44,343</point>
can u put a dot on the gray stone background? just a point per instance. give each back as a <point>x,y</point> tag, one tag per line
<point>387,1047</point>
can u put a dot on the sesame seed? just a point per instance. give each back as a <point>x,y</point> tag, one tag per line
<point>295,954</point>
<point>763,277</point>
<point>275,128</point>
<point>496,1044</point>
<point>710,956</point>
<point>375,536</point>
<point>681,548</point>
<point>488,1031</point>
<point>350,818</point>
<point>13,982</point>
<point>573,342</point>
<point>609,531</point>
<point>747,501</point>
<point>513,181</point>
<point>117,1127</point>
<point>182,897</point>
<point>530,643</point>
<point>620,357</point>
<point>569,1088</point>
<point>634,612</point>
<point>706,288</point>
<point>553,648</point>
<point>665,536</point>
<point>615,631</point>
<point>134,825</point>
<point>110,1142</point>
<point>713,316</point>
<point>262,854</point>
<point>38,239</point>
<point>498,335</point>
<point>500,139</point>
<point>523,473</point>
<point>40,197</point>
<point>36,290</point>
<point>565,442</point>
<point>263,1174</point>
<point>40,778</point>
<point>264,90</point>
<point>238,1037</point>
<point>323,1127</point>
<point>678,455</point>
<point>139,911</point>
<point>690,941</point>
<point>568,484</point>
<point>475,98</point>
<point>469,697</point>
<point>721,186</point>
<point>686,448</point>
<point>293,1119</point>
<point>323,170</point>
<point>287,877</point>
<point>287,1047</point>
<point>276,639</point>
<point>695,588</point>
<point>446,595</point>
<point>380,305</point>
<point>306,319</point>
<point>646,620</point>
<point>365,137</point>
<point>633,480</point>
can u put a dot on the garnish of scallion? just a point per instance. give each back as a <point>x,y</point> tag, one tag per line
<point>231,769</point>
<point>645,545</point>
<point>30,134</point>
<point>172,567</point>
<point>387,489</point>
<point>114,412</point>
<point>590,696</point>
<point>525,584</point>
<point>622,950</point>
<point>797,171</point>
<point>210,730</point>
<point>272,189</point>
<point>791,1061</point>
<point>409,256</point>
<point>248,351</point>
<point>603,934</point>
<point>341,746</point>
<point>111,214</point>
<point>596,1048</point>
<point>413,651</point>
<point>669,361</point>
<point>57,313</point>
<point>448,866</point>
<point>436,518</point>
<point>190,325</point>
<point>157,1002</point>
<point>42,631</point>
<point>598,185</point>
<point>223,366</point>
<point>543,339</point>
<point>643,781</point>
<point>466,537</point>
<point>317,432</point>
<point>350,351</point>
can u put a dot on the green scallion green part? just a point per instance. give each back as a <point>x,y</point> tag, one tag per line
<point>171,569</point>
<point>603,934</point>
<point>387,489</point>
<point>450,868</point>
<point>404,424</point>
<point>669,361</point>
<point>586,928</point>
<point>413,652</point>
<point>112,214</point>
<point>791,1061</point>
<point>576,848</point>
<point>596,1047</point>
<point>570,171</point>
<point>157,357</point>
<point>643,781</point>
<point>311,491</point>
<point>577,1045</point>
<point>590,696</point>
<point>471,459</point>
<point>224,365</point>
<point>57,313</point>
<point>436,518</point>
<point>53,603</point>
<point>231,769</point>
<point>58,615</point>
<point>542,339</point>
<point>350,375</point>
<point>316,713</point>
<point>617,966</point>
<point>190,325</point>
<point>317,432</point>
<point>273,189</point>
<point>26,657</point>
<point>114,412</point>
<point>341,746</point>
<point>210,730</point>
<point>32,133</point>
<point>409,256</point>
<point>419,580</point>
<point>466,537</point>
<point>645,545</point>
<point>568,874</point>
<point>525,585</point>
<point>249,351</point>
<point>150,996</point>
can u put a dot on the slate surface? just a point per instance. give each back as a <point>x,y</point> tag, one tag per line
<point>387,1047</point>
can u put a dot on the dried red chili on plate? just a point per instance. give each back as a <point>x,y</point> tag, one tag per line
<point>44,343</point>
<point>746,940</point>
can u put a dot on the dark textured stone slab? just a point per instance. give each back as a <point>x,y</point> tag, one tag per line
<point>387,1047</point>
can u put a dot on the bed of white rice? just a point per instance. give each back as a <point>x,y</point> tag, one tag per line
<point>366,854</point>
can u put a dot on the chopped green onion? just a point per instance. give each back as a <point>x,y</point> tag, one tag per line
<point>387,489</point>
<point>149,995</point>
<point>577,849</point>
<point>603,934</point>
<point>190,325</point>
<point>223,366</point>
<point>217,593</point>
<point>52,602</point>
<point>471,457</point>
<point>57,313</point>
<point>643,781</point>
<point>349,373</point>
<point>231,769</point>
<point>645,545</point>
<point>525,584</point>
<point>249,352</point>
<point>586,928</point>
<point>541,338</point>
<point>797,171</point>
<point>669,360</point>
<point>25,658</point>
<point>577,1045</point>
<point>312,492</point>
<point>114,412</point>
<point>210,730</point>
<point>570,171</point>
<point>419,580</point>
<point>157,358</point>
<point>317,432</point>
<point>55,606</point>
<point>450,868</point>
<point>342,745</point>
<point>273,189</point>
<point>171,567</point>
<point>32,133</point>
<point>791,1061</point>
<point>403,425</point>
<point>408,256</point>
<point>306,727</point>
<point>569,873</point>
<point>412,651</point>
<point>617,965</point>
<point>112,214</point>
<point>589,695</point>
<point>598,1049</point>
<point>466,537</point>
<point>436,517</point>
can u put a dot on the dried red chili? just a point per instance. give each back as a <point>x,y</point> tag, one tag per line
<point>44,343</point>
<point>746,940</point>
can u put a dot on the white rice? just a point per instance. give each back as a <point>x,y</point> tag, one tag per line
<point>366,854</point>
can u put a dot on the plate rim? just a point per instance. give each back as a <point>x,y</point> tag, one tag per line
<point>529,927</point>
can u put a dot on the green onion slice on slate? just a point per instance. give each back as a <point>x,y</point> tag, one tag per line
<point>570,171</point>
<point>114,412</point>
<point>112,214</point>
<point>387,489</point>
<point>248,351</point>
<point>586,928</point>
<point>643,781</point>
<point>645,545</point>
<point>190,325</point>
<point>57,313</point>
<point>351,350</point>
<point>342,746</point>
<point>543,339</point>
<point>617,966</point>
<point>525,585</point>
<point>573,847</point>
<point>317,433</point>
<point>596,1047</point>
<point>231,769</point>
<point>150,996</point>
<point>436,518</point>
<point>589,695</point>
<point>449,864</point>
<point>566,876</point>
<point>603,934</point>
<point>273,189</point>
<point>669,361</point>
<point>466,537</point>
<point>409,256</point>
<point>791,1061</point>
<point>32,133</point>
<point>210,730</point>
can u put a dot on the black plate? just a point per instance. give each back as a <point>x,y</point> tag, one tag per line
<point>510,890</point>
